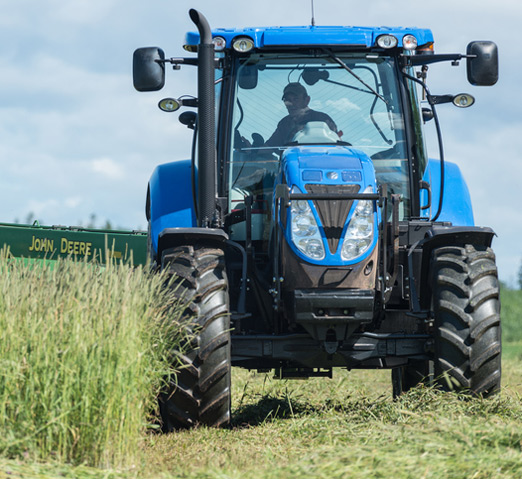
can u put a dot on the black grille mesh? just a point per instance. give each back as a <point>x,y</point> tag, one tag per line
<point>333,213</point>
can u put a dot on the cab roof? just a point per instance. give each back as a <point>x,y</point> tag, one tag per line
<point>363,37</point>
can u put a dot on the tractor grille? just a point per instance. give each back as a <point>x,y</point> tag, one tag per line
<point>333,213</point>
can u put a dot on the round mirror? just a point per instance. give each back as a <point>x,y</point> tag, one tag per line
<point>188,118</point>
<point>169,105</point>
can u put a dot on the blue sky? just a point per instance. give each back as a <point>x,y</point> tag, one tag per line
<point>77,139</point>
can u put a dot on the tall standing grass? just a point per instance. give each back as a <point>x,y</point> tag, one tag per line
<point>83,353</point>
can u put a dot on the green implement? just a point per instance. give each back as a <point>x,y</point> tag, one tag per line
<point>53,242</point>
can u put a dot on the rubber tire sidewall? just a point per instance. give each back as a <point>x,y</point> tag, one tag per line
<point>201,393</point>
<point>466,309</point>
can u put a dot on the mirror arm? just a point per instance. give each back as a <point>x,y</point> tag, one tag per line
<point>191,102</point>
<point>439,99</point>
<point>179,61</point>
<point>439,138</point>
<point>417,60</point>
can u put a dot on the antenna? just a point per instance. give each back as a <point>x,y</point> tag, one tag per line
<point>313,16</point>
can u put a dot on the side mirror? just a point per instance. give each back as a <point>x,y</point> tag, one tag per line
<point>148,69</point>
<point>189,119</point>
<point>247,77</point>
<point>312,75</point>
<point>427,114</point>
<point>482,67</point>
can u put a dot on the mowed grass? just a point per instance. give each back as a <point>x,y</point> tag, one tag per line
<point>347,427</point>
<point>351,427</point>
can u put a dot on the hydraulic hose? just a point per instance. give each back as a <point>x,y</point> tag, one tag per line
<point>439,137</point>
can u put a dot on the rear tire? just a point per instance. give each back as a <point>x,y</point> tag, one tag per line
<point>466,308</point>
<point>200,394</point>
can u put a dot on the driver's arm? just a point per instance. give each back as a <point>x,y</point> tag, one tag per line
<point>279,136</point>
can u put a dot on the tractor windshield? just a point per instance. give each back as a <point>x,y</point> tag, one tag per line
<point>284,100</point>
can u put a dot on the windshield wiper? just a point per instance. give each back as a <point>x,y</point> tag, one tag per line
<point>357,77</point>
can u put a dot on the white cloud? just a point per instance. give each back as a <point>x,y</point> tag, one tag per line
<point>343,105</point>
<point>107,168</point>
<point>39,208</point>
<point>72,202</point>
<point>83,12</point>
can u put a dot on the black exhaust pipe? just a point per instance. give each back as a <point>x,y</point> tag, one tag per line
<point>206,123</point>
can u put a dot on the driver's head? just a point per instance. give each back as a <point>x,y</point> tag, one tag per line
<point>296,98</point>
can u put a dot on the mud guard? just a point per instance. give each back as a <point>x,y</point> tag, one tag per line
<point>170,200</point>
<point>456,206</point>
<point>439,236</point>
<point>171,237</point>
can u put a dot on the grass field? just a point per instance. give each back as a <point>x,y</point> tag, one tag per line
<point>347,427</point>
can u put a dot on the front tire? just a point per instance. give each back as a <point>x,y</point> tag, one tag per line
<point>466,309</point>
<point>200,394</point>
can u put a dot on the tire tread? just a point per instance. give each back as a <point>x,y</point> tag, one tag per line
<point>201,395</point>
<point>466,308</point>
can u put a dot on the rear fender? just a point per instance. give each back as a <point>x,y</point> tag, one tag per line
<point>170,201</point>
<point>456,206</point>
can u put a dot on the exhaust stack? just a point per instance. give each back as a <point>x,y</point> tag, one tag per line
<point>206,122</point>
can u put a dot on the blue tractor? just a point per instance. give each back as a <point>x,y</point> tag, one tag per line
<point>309,230</point>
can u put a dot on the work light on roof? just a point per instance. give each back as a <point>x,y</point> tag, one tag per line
<point>409,42</point>
<point>242,44</point>
<point>219,43</point>
<point>387,41</point>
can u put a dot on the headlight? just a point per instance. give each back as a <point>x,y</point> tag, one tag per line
<point>387,41</point>
<point>359,234</point>
<point>409,42</point>
<point>242,44</point>
<point>305,231</point>
<point>219,43</point>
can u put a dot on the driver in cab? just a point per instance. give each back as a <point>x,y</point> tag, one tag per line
<point>296,100</point>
